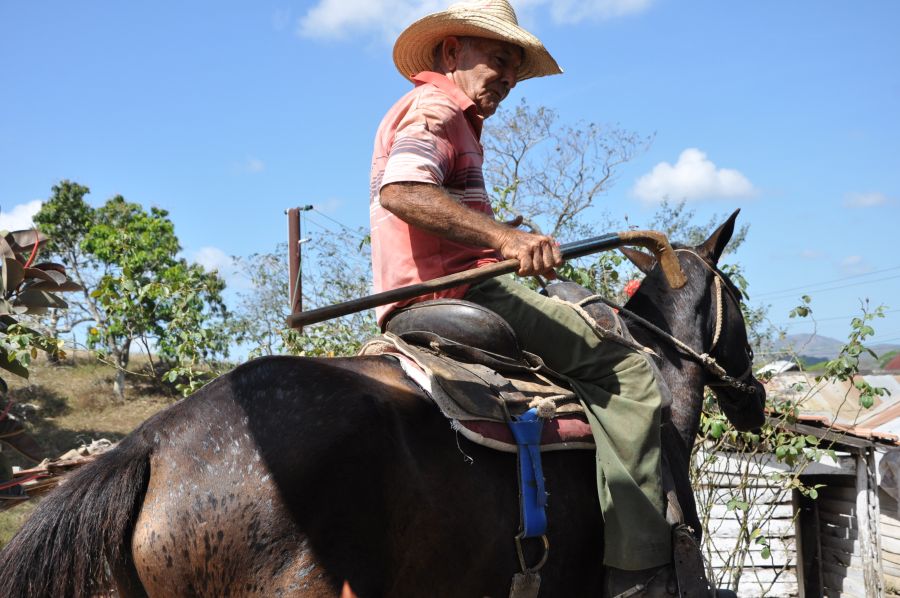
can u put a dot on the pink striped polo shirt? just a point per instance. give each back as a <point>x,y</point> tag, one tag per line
<point>431,135</point>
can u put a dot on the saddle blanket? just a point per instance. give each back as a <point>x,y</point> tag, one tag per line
<point>479,401</point>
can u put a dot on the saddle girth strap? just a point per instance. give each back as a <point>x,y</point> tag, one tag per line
<point>526,429</point>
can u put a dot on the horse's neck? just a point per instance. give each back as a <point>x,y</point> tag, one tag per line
<point>683,376</point>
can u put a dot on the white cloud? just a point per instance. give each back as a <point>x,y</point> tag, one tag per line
<point>339,18</point>
<point>811,254</point>
<point>576,11</point>
<point>254,165</point>
<point>866,200</point>
<point>332,205</point>
<point>20,216</point>
<point>693,177</point>
<point>854,264</point>
<point>213,258</point>
<point>249,165</point>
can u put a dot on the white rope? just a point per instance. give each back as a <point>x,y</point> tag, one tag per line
<point>719,318</point>
<point>704,358</point>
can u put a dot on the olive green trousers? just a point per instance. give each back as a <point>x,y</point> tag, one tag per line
<point>617,386</point>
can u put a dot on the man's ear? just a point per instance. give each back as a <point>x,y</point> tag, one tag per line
<point>450,48</point>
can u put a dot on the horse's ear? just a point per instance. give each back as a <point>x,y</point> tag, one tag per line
<point>644,261</point>
<point>715,244</point>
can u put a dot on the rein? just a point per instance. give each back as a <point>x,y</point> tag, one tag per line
<point>705,359</point>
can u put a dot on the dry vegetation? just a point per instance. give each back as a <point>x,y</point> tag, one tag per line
<point>72,403</point>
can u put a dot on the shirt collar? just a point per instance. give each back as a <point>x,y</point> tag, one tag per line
<point>464,102</point>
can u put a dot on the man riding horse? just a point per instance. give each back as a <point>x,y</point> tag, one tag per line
<point>431,216</point>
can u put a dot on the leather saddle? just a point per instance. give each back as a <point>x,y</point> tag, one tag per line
<point>480,376</point>
<point>474,368</point>
<point>462,322</point>
<point>474,357</point>
<point>471,325</point>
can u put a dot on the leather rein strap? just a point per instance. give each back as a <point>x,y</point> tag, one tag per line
<point>705,359</point>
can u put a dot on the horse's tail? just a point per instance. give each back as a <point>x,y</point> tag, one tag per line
<point>80,534</point>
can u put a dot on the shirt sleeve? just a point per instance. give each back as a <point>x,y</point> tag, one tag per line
<point>422,151</point>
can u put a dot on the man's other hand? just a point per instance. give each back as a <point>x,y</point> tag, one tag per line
<point>537,254</point>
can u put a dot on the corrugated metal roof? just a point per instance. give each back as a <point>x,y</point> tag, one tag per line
<point>777,367</point>
<point>836,404</point>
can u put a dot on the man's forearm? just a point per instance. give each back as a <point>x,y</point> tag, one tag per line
<point>430,208</point>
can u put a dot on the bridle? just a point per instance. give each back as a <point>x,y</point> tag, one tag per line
<point>705,359</point>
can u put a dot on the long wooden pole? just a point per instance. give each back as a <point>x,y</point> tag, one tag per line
<point>295,291</point>
<point>652,240</point>
<point>295,259</point>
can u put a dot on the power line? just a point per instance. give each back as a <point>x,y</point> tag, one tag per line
<point>843,286</point>
<point>807,286</point>
<point>334,232</point>
<point>341,224</point>
<point>829,319</point>
<point>352,255</point>
<point>892,332</point>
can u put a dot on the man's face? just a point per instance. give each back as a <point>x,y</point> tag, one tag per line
<point>485,70</point>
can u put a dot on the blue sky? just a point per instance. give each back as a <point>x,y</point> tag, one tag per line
<point>226,113</point>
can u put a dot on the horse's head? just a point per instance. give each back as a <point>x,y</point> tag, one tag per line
<point>706,316</point>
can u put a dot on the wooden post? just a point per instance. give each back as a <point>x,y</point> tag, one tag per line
<point>867,518</point>
<point>295,262</point>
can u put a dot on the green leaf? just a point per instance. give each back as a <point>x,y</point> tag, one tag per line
<point>11,364</point>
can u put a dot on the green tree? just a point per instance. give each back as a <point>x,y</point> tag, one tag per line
<point>335,268</point>
<point>136,289</point>
<point>259,320</point>
<point>552,173</point>
<point>65,217</point>
<point>340,269</point>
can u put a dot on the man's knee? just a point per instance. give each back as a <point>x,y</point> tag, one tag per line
<point>641,375</point>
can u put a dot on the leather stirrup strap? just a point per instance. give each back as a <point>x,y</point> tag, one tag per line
<point>689,567</point>
<point>674,512</point>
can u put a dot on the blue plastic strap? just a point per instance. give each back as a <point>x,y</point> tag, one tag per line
<point>526,429</point>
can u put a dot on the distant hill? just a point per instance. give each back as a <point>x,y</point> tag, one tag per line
<point>814,347</point>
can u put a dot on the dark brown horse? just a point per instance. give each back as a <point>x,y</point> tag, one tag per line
<point>290,476</point>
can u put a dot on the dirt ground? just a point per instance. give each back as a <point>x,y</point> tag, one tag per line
<point>66,405</point>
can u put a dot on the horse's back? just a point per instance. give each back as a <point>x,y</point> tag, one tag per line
<point>234,472</point>
<point>290,475</point>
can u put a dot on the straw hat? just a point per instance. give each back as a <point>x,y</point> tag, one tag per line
<point>492,19</point>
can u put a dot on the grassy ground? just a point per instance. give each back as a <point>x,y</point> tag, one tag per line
<point>70,404</point>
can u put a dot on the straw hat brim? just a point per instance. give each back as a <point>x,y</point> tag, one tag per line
<point>414,49</point>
